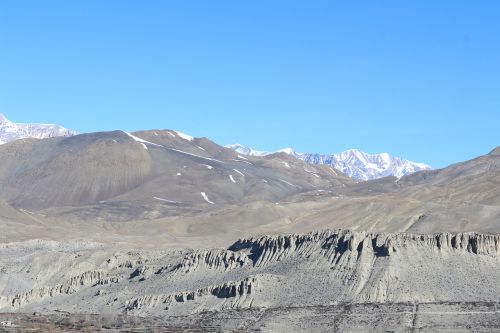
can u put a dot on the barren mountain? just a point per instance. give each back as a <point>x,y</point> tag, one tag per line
<point>150,176</point>
<point>155,184</point>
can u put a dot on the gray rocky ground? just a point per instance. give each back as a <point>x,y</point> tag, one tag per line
<point>365,317</point>
<point>336,279</point>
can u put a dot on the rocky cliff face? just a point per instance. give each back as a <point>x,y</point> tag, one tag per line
<point>335,244</point>
<point>91,278</point>
<point>317,268</point>
<point>239,294</point>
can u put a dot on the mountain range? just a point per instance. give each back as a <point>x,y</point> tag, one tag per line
<point>159,224</point>
<point>10,131</point>
<point>353,162</point>
<point>162,182</point>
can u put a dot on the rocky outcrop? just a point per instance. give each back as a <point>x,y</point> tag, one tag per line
<point>316,268</point>
<point>264,250</point>
<point>363,262</point>
<point>334,244</point>
<point>71,286</point>
<point>212,259</point>
<point>236,290</point>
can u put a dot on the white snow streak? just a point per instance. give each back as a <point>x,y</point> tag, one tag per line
<point>312,173</point>
<point>286,164</point>
<point>232,179</point>
<point>144,146</point>
<point>204,195</point>
<point>173,149</point>
<point>208,166</point>
<point>238,171</point>
<point>284,181</point>
<point>161,199</point>
<point>205,158</point>
<point>242,161</point>
<point>142,140</point>
<point>243,158</point>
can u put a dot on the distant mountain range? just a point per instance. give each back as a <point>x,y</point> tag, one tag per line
<point>10,131</point>
<point>353,163</point>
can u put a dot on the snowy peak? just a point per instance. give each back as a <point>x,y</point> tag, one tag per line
<point>241,149</point>
<point>10,131</point>
<point>289,151</point>
<point>360,165</point>
<point>353,162</point>
<point>3,120</point>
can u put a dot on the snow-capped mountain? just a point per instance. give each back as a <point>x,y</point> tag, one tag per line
<point>10,131</point>
<point>252,152</point>
<point>353,163</point>
<point>247,150</point>
<point>360,165</point>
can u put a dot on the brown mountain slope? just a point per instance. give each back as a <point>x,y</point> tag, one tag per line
<point>165,188</point>
<point>144,170</point>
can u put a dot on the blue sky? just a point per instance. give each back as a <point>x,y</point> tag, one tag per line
<point>418,79</point>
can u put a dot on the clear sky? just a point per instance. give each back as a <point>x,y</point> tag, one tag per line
<point>417,79</point>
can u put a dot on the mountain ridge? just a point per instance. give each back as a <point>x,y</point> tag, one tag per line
<point>353,163</point>
<point>161,187</point>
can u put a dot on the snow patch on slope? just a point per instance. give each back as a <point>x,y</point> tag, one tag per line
<point>239,172</point>
<point>288,183</point>
<point>184,136</point>
<point>142,141</point>
<point>286,165</point>
<point>194,155</point>
<point>165,200</point>
<point>205,197</point>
